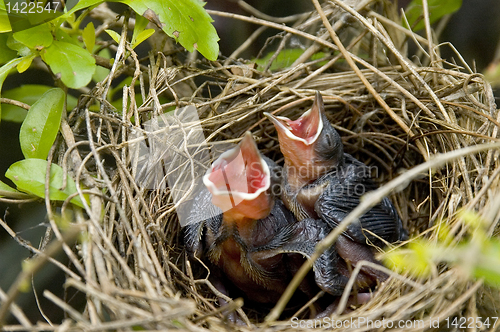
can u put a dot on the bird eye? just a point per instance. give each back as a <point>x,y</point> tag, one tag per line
<point>329,140</point>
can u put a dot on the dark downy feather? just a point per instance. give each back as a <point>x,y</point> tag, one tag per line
<point>343,194</point>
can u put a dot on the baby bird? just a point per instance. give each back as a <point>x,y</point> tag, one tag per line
<point>320,181</point>
<point>251,242</point>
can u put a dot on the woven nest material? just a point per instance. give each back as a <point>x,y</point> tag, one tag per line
<point>392,114</point>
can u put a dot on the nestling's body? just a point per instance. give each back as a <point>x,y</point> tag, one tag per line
<point>248,237</point>
<point>322,182</point>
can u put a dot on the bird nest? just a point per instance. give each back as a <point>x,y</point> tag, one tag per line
<point>429,131</point>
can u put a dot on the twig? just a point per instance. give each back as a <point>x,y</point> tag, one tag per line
<point>273,25</point>
<point>15,103</point>
<point>368,85</point>
<point>417,38</point>
<point>393,49</point>
<point>33,267</point>
<point>428,33</point>
<point>16,312</point>
<point>253,11</point>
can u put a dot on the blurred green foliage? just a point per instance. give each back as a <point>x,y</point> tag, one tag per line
<point>437,9</point>
<point>477,254</point>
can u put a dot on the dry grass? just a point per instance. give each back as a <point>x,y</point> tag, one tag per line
<point>392,113</point>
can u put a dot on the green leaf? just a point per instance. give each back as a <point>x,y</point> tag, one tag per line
<point>101,72</point>
<point>40,128</point>
<point>22,50</point>
<point>63,36</point>
<point>140,24</point>
<point>13,113</point>
<point>416,260</point>
<point>8,191</point>
<point>28,94</point>
<point>4,19</point>
<point>4,72</point>
<point>25,63</point>
<point>437,9</point>
<point>487,265</point>
<point>29,176</point>
<point>115,94</point>
<point>82,4</point>
<point>6,54</point>
<point>88,36</point>
<point>471,218</point>
<point>142,37</point>
<point>186,21</point>
<point>490,275</point>
<point>284,59</point>
<point>113,34</point>
<point>6,187</point>
<point>75,65</point>
<point>36,37</point>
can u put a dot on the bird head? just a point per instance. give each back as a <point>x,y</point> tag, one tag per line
<point>310,144</point>
<point>239,181</point>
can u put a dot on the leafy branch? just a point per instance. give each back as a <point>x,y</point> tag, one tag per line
<point>72,52</point>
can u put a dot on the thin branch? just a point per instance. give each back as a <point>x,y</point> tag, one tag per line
<point>33,266</point>
<point>15,103</point>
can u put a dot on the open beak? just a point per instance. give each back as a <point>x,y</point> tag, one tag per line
<point>239,179</point>
<point>298,138</point>
<point>305,129</point>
